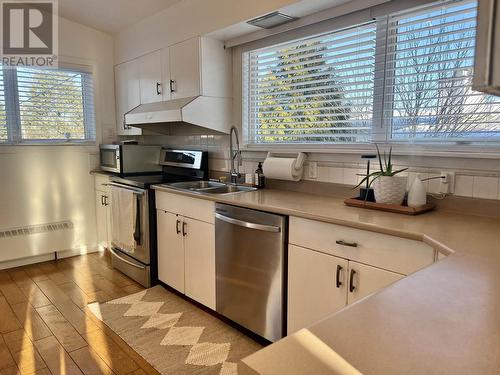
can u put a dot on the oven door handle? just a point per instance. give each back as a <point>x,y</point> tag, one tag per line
<point>126,261</point>
<point>247,224</point>
<point>134,190</point>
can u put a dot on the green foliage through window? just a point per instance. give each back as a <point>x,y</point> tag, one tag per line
<point>41,105</point>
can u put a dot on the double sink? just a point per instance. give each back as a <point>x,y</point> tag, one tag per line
<point>210,187</point>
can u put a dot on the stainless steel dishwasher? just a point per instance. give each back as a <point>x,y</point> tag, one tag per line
<point>250,268</point>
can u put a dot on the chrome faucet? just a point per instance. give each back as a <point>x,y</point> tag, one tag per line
<point>235,154</point>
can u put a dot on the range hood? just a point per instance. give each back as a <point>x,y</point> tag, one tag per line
<point>193,115</point>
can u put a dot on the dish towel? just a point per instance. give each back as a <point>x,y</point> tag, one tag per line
<point>123,219</point>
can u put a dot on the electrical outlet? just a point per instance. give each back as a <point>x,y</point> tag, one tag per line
<point>447,185</point>
<point>313,170</point>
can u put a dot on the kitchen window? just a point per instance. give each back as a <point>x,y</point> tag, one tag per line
<point>46,106</point>
<point>405,77</point>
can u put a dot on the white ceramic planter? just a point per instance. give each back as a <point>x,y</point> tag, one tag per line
<point>390,190</point>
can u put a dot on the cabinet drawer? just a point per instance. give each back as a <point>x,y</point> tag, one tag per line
<point>388,252</point>
<point>194,208</point>
<point>101,182</point>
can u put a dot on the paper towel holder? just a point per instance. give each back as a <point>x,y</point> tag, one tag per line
<point>299,163</point>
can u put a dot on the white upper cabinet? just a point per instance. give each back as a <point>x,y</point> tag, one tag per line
<point>127,95</point>
<point>197,66</point>
<point>185,74</point>
<point>165,74</point>
<point>150,73</point>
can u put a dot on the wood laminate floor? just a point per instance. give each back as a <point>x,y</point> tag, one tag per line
<point>45,327</point>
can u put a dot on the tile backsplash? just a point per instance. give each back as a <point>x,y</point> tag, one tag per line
<point>473,178</point>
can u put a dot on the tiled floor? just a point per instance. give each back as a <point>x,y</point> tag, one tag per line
<point>45,327</point>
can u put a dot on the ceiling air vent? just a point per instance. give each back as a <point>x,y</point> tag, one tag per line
<point>271,20</point>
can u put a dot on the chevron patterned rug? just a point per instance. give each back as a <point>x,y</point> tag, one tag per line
<point>174,336</point>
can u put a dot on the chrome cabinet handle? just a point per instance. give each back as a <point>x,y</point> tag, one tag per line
<point>102,200</point>
<point>158,88</point>
<point>177,230</point>
<point>184,225</point>
<point>351,281</point>
<point>344,243</point>
<point>338,283</point>
<point>172,83</point>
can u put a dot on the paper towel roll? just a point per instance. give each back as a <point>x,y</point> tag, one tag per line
<point>282,169</point>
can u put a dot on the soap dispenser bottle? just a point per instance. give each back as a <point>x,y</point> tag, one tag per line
<point>417,196</point>
<point>260,179</point>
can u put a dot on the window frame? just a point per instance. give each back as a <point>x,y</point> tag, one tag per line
<point>381,129</point>
<point>14,132</point>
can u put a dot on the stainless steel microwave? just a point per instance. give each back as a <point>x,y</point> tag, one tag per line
<point>129,159</point>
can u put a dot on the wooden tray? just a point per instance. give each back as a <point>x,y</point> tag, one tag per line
<point>358,202</point>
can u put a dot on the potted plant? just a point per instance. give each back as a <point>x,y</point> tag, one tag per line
<point>388,187</point>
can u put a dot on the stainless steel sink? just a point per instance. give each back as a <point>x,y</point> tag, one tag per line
<point>210,187</point>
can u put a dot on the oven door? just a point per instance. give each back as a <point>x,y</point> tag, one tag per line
<point>110,158</point>
<point>130,225</point>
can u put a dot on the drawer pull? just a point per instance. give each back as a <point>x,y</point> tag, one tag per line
<point>184,232</point>
<point>351,281</point>
<point>338,283</point>
<point>344,243</point>
<point>177,230</point>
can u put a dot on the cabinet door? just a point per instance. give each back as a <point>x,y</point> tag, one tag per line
<point>150,78</point>
<point>313,289</point>
<point>185,68</point>
<point>199,247</point>
<point>165,74</point>
<point>101,220</point>
<point>107,206</point>
<point>365,280</point>
<point>127,95</point>
<point>170,250</point>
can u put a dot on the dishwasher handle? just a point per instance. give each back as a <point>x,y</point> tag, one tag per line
<point>246,224</point>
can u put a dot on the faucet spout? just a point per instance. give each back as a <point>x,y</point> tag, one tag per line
<point>235,155</point>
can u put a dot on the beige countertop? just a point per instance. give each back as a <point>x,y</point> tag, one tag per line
<point>444,319</point>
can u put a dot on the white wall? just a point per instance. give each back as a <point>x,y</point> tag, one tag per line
<point>186,19</point>
<point>43,184</point>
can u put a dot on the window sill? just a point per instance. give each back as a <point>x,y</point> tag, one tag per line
<point>444,151</point>
<point>48,143</point>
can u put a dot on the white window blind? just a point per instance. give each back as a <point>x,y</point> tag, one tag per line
<point>416,64</point>
<point>44,105</point>
<point>429,76</point>
<point>316,90</point>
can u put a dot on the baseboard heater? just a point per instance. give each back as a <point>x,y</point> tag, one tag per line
<point>35,229</point>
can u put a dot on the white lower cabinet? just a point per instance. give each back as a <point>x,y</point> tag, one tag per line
<point>102,211</point>
<point>102,214</point>
<point>170,250</point>
<point>365,280</point>
<point>316,286</point>
<point>321,284</point>
<point>186,256</point>
<point>199,255</point>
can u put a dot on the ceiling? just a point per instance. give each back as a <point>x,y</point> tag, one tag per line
<point>110,15</point>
